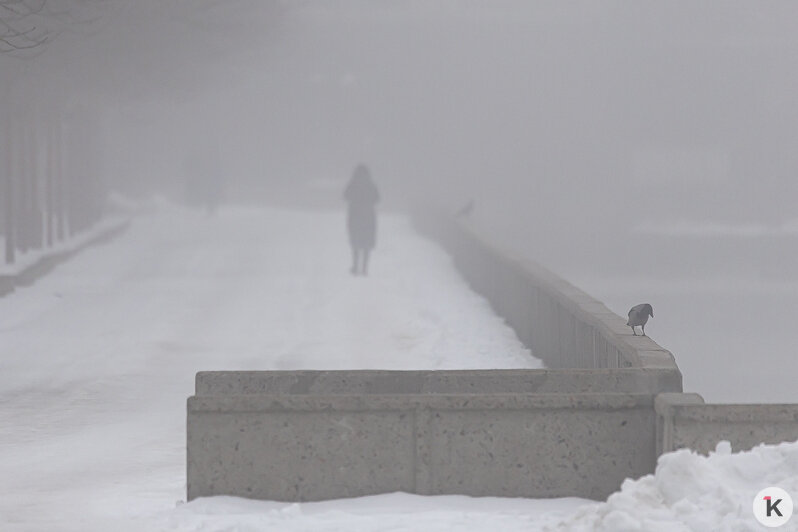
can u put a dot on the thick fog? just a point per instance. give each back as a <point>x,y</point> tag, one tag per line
<point>646,151</point>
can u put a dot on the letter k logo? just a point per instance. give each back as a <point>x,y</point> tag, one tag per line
<point>772,506</point>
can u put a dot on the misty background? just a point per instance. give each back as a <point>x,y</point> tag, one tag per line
<point>644,151</point>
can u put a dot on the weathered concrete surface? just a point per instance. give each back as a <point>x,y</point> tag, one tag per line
<point>304,447</point>
<point>561,324</point>
<point>685,421</point>
<point>633,380</point>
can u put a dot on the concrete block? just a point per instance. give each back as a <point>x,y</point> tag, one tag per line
<point>308,447</point>
<point>684,421</point>
<point>286,451</point>
<point>665,405</point>
<point>702,429</point>
<point>537,453</point>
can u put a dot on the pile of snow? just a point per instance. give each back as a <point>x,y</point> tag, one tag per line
<point>695,493</point>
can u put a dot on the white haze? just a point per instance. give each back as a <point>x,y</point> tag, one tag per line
<point>645,151</point>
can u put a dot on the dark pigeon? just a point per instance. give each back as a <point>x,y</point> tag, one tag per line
<point>638,316</point>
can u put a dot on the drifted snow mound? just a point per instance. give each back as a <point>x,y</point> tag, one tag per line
<point>692,492</point>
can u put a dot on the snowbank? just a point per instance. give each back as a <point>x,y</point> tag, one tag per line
<point>691,492</point>
<point>688,492</point>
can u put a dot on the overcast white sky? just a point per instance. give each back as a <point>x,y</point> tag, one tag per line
<point>556,101</point>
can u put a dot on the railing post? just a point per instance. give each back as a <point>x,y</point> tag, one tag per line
<point>58,173</point>
<point>48,184</point>
<point>35,213</point>
<point>9,226</point>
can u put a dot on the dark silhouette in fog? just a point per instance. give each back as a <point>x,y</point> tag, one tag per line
<point>638,316</point>
<point>466,210</point>
<point>362,195</point>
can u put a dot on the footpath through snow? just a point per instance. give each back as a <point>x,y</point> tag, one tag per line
<point>97,359</point>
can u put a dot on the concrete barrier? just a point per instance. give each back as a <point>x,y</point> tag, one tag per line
<point>292,443</point>
<point>562,325</point>
<point>567,328</point>
<point>648,381</point>
<point>685,421</point>
<point>578,428</point>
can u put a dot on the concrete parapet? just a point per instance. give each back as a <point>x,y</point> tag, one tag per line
<point>685,421</point>
<point>308,446</point>
<point>561,324</point>
<point>524,381</point>
<point>578,428</point>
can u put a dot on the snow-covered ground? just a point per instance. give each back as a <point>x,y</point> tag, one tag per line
<point>688,493</point>
<point>97,359</point>
<point>392,512</point>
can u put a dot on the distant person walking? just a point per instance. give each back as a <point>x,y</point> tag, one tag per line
<point>203,169</point>
<point>361,194</point>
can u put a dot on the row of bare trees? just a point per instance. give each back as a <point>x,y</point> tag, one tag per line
<point>50,185</point>
<point>50,188</point>
<point>30,24</point>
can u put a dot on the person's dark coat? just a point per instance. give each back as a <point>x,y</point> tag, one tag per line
<point>362,196</point>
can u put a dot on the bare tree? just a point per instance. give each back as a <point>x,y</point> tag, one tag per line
<point>18,30</point>
<point>29,24</point>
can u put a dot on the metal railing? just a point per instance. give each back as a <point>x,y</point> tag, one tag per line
<point>49,180</point>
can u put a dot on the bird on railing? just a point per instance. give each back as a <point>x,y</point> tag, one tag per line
<point>638,315</point>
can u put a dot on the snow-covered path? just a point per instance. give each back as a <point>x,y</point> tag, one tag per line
<point>97,359</point>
